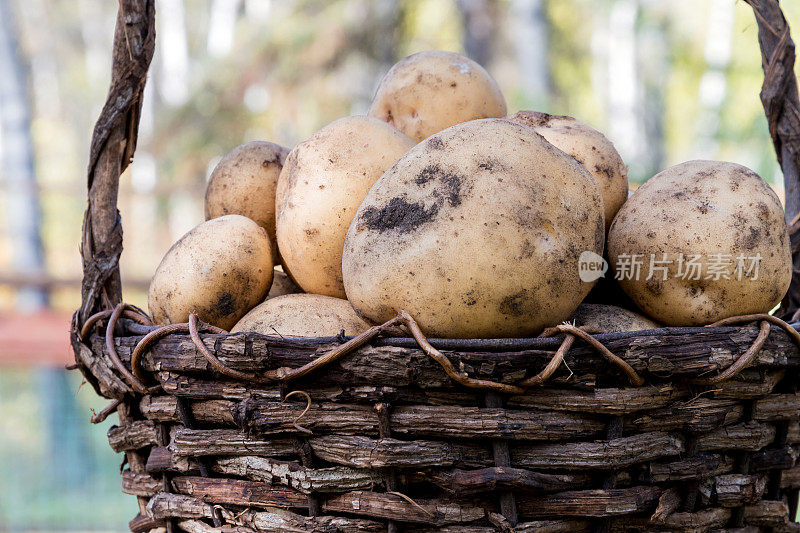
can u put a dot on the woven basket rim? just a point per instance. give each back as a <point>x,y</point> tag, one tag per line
<point>499,344</point>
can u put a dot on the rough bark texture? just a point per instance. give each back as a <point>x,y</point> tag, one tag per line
<point>113,144</point>
<point>782,107</point>
<point>240,492</point>
<point>133,436</point>
<point>594,503</point>
<point>615,453</point>
<point>696,467</point>
<point>238,447</point>
<point>139,484</point>
<point>660,355</point>
<point>734,490</point>
<point>464,482</point>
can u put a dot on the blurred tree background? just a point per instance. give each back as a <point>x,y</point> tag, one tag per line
<point>666,81</point>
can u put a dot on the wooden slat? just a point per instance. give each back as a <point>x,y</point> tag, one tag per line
<point>595,503</point>
<point>240,492</point>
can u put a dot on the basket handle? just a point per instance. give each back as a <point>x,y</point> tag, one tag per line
<point>113,144</point>
<point>782,108</point>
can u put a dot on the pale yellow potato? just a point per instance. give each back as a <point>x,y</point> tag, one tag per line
<point>322,183</point>
<point>591,148</point>
<point>610,318</point>
<point>282,284</point>
<point>713,214</point>
<point>244,182</point>
<point>476,232</point>
<point>302,315</point>
<point>221,269</point>
<point>430,91</point>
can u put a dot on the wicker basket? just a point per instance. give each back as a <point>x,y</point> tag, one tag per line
<point>688,429</point>
<point>390,437</point>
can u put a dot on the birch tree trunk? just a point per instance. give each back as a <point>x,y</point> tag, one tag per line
<point>530,35</point>
<point>65,444</point>
<point>713,83</point>
<point>22,210</point>
<point>174,48</point>
<point>653,61</point>
<point>624,95</point>
<point>23,214</point>
<point>222,27</point>
<point>479,27</point>
<point>377,57</point>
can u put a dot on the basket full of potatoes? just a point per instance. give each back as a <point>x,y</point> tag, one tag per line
<point>442,316</point>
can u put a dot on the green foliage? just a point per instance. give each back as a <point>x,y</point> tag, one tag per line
<point>58,471</point>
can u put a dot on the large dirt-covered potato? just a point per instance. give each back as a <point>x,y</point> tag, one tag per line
<point>244,182</point>
<point>476,232</point>
<point>591,148</point>
<point>430,91</point>
<point>710,242</point>
<point>221,269</point>
<point>322,183</point>
<point>302,315</point>
<point>610,318</point>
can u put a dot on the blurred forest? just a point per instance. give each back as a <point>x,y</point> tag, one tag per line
<point>666,81</point>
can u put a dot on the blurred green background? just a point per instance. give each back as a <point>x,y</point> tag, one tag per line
<point>57,473</point>
<point>666,81</point>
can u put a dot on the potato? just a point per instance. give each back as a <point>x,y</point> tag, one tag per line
<point>302,315</point>
<point>282,284</point>
<point>430,91</point>
<point>476,232</point>
<point>592,150</point>
<point>220,269</point>
<point>322,183</point>
<point>244,182</point>
<point>610,318</point>
<point>710,240</point>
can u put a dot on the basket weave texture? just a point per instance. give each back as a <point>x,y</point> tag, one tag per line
<point>389,440</point>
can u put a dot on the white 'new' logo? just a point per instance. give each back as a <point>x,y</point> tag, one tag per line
<point>591,266</point>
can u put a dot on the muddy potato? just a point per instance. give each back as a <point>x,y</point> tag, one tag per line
<point>244,182</point>
<point>322,183</point>
<point>715,236</point>
<point>610,318</point>
<point>430,91</point>
<point>221,269</point>
<point>302,315</point>
<point>282,284</point>
<point>476,232</point>
<point>590,147</point>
